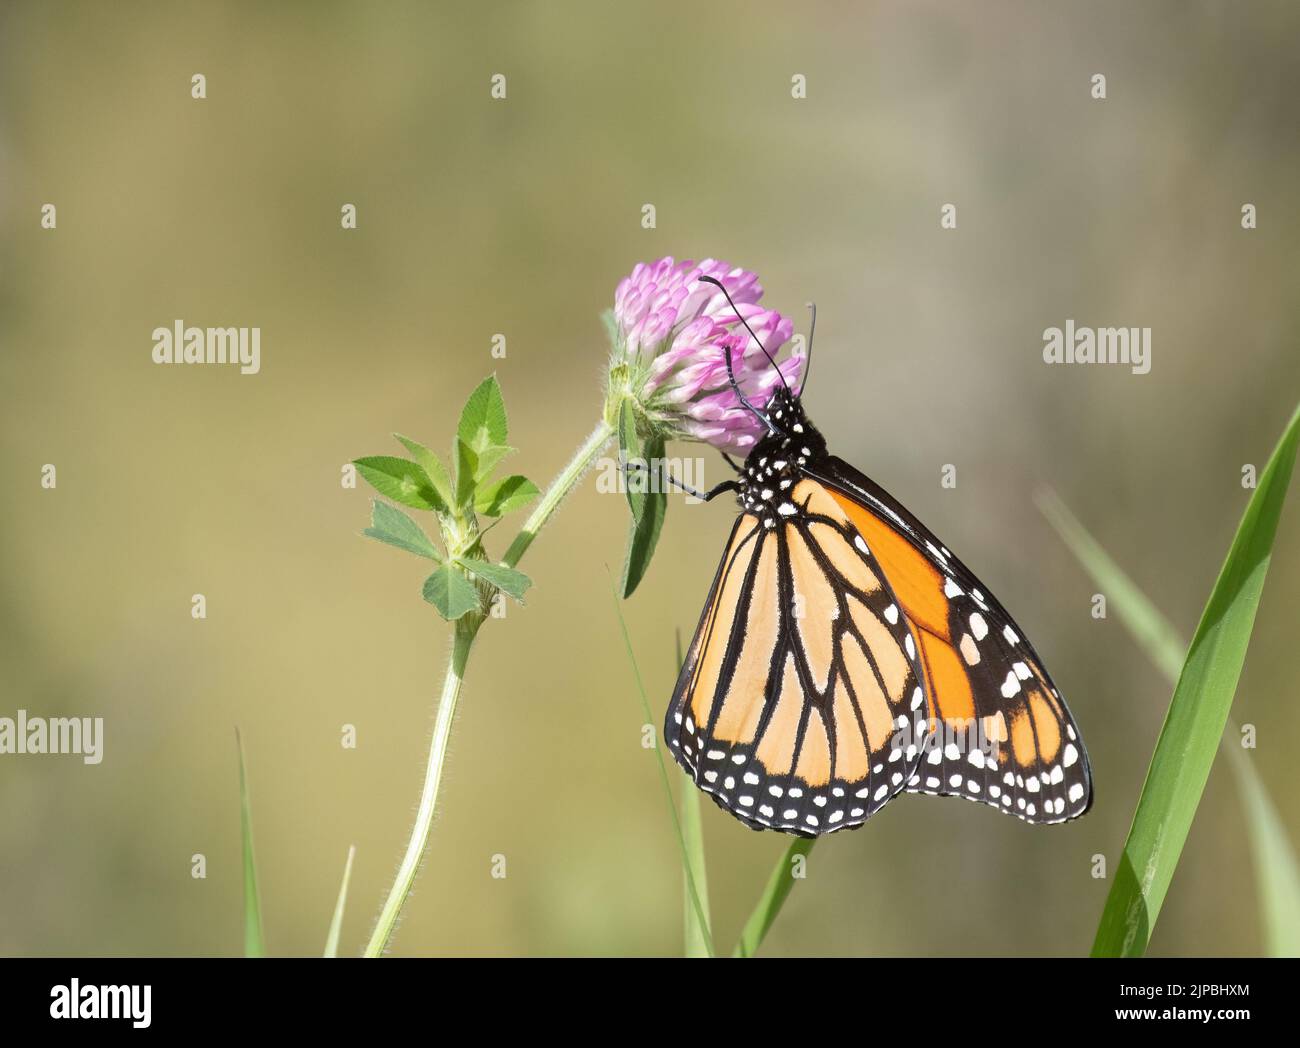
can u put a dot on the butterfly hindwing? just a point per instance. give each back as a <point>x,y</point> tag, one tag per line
<point>1001,733</point>
<point>800,705</point>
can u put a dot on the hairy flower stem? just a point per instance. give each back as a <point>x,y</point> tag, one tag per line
<point>560,486</point>
<point>464,631</point>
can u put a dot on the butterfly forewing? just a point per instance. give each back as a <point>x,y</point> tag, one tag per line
<point>800,705</point>
<point>1001,732</point>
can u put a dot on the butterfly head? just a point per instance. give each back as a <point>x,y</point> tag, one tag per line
<point>789,428</point>
<point>780,458</point>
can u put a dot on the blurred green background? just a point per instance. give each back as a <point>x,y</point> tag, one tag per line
<point>519,216</point>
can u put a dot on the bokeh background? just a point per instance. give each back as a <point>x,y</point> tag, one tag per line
<point>519,216</point>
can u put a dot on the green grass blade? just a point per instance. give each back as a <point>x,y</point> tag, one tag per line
<point>1277,871</point>
<point>1154,634</point>
<point>254,945</point>
<point>336,922</point>
<point>693,833</point>
<point>773,898</point>
<point>692,887</point>
<point>1198,712</point>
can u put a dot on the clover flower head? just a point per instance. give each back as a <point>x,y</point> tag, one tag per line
<point>675,332</point>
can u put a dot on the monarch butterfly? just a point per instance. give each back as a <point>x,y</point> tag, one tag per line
<point>844,656</point>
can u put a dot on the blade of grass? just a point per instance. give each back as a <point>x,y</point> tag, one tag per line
<point>1154,634</point>
<point>254,946</point>
<point>336,922</point>
<point>693,832</point>
<point>692,887</point>
<point>1196,717</point>
<point>1277,870</point>
<point>773,898</point>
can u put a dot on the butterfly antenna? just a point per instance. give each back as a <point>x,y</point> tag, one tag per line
<point>731,377</point>
<point>812,330</point>
<point>718,284</point>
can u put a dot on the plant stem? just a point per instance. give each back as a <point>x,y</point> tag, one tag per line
<point>463,639</point>
<point>560,486</point>
<point>464,632</point>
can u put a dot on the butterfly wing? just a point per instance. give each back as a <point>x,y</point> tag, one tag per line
<point>799,705</point>
<point>1002,734</point>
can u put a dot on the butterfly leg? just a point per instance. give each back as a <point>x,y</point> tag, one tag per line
<point>703,496</point>
<point>706,496</point>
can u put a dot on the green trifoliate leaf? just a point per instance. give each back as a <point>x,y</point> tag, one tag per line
<point>505,495</point>
<point>466,471</point>
<point>483,420</point>
<point>397,529</point>
<point>432,465</point>
<point>488,459</point>
<point>506,579</point>
<point>448,590</point>
<point>400,480</point>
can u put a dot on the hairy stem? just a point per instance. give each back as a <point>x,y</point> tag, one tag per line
<point>463,634</point>
<point>462,640</point>
<point>560,486</point>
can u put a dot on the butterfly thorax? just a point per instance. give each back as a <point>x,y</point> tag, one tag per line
<point>778,460</point>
